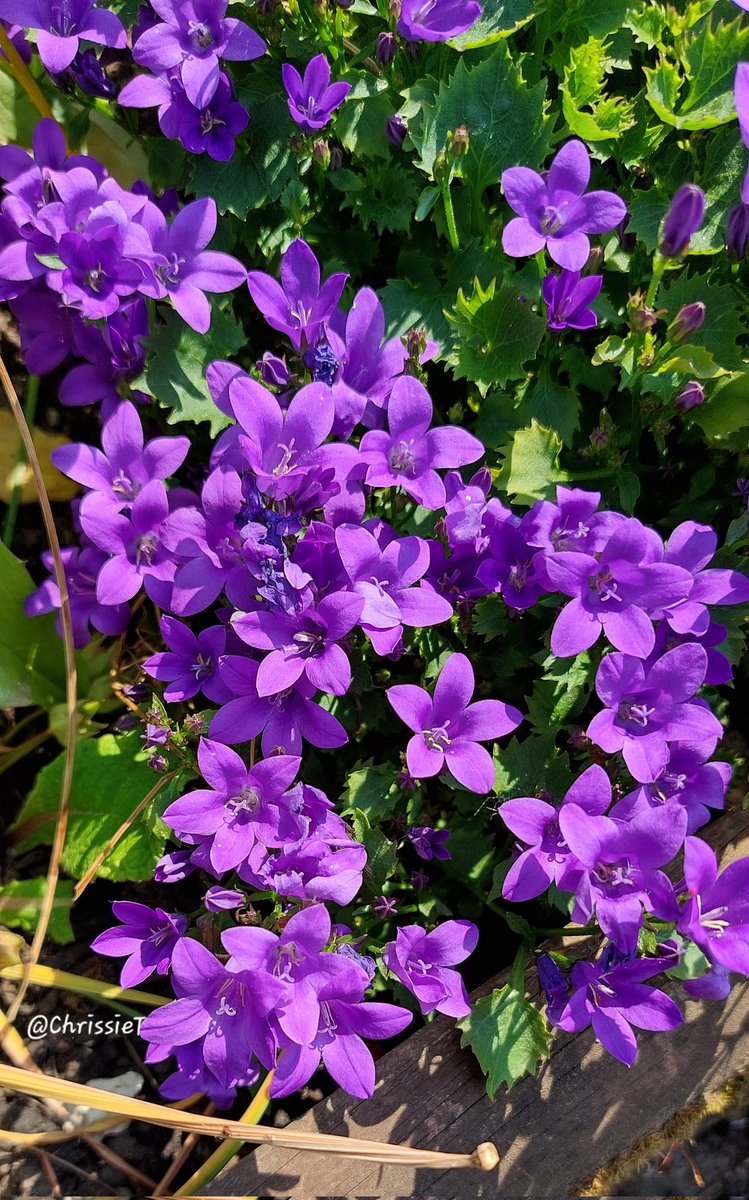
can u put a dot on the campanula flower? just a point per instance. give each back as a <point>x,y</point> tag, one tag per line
<point>448,728</point>
<point>555,211</point>
<point>716,913</point>
<point>429,843</point>
<point>696,785</point>
<point>299,305</point>
<point>190,664</point>
<point>423,962</point>
<point>568,297</point>
<point>62,26</point>
<point>147,936</point>
<point>436,20</point>
<point>682,220</point>
<point>312,98</point>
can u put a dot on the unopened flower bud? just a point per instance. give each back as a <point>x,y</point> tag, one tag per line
<point>394,10</point>
<point>737,232</point>
<point>321,153</point>
<point>690,396</point>
<point>595,260</point>
<point>387,48</point>
<point>396,130</point>
<point>336,159</point>
<point>344,3</point>
<point>273,370</point>
<point>683,219</point>
<point>626,240</point>
<point>687,321</point>
<point>458,142</point>
<point>416,341</point>
<point>157,762</point>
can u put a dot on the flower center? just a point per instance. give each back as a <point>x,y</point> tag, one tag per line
<point>200,35</point>
<point>437,739</point>
<point>614,874</point>
<point>288,956</point>
<point>605,585</point>
<point>551,220</point>
<point>62,20</point>
<point>287,458</point>
<point>209,121</point>
<point>310,644</point>
<point>202,667</point>
<point>94,277</point>
<point>145,549</point>
<point>123,485</point>
<point>168,271</point>
<point>402,458</point>
<point>245,801</point>
<point>714,919</point>
<point>637,714</point>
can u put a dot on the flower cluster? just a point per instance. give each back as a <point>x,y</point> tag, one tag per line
<point>183,46</point>
<point>81,257</point>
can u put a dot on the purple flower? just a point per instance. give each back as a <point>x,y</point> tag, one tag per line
<point>368,363</point>
<point>716,914</point>
<point>384,907</point>
<point>209,129</point>
<point>183,269</point>
<point>396,129</point>
<point>135,547</point>
<point>62,26</point>
<point>648,708</point>
<point>192,36</point>
<point>696,785</point>
<point>298,306</point>
<point>125,465</point>
<point>436,20</point>
<point>220,899</point>
<point>239,807</point>
<point>447,727</point>
<point>613,999</point>
<point>429,843</point>
<point>190,665</point>
<point>408,454</point>
<point>614,591</point>
<point>384,579</point>
<point>81,567</point>
<point>620,861</point>
<point>690,396</point>
<point>146,936</point>
<point>737,232</point>
<point>683,219</point>
<point>303,644</point>
<point>285,720</point>
<point>312,98</point>
<point>545,856</point>
<point>692,547</point>
<point>568,297</point>
<point>555,212</point>
<point>422,962</point>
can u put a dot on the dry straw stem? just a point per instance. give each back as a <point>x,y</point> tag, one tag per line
<point>22,75</point>
<point>223,1154</point>
<point>80,985</point>
<point>58,1136</point>
<point>485,1157</point>
<point>53,872</point>
<point>93,870</point>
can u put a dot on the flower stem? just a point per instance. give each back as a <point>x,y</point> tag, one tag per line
<point>29,409</point>
<point>452,229</point>
<point>23,76</point>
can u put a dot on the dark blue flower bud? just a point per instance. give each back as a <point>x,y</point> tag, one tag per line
<point>683,219</point>
<point>737,232</point>
<point>687,321</point>
<point>387,48</point>
<point>396,130</point>
<point>690,396</point>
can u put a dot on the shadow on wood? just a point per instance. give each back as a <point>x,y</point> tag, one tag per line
<point>553,1131</point>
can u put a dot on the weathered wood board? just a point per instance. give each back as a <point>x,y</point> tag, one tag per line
<point>553,1131</point>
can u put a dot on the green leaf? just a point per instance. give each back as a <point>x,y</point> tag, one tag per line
<point>360,124</point>
<point>110,779</point>
<point>410,305</point>
<point>508,1036</point>
<point>727,410</point>
<point>629,490</point>
<point>178,357</point>
<point>381,852</point>
<point>498,20</point>
<point>262,164</point>
<point>524,768</point>
<point>562,691</point>
<point>693,361</point>
<point>372,790</point>
<point>494,332</point>
<point>588,110</point>
<point>551,404</point>
<point>705,84</point>
<point>32,661</point>
<point>385,197</point>
<point>531,467</point>
<point>21,902</point>
<point>505,118</point>
<point>723,324</point>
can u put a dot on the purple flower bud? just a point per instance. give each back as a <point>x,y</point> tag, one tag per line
<point>322,362</point>
<point>336,159</point>
<point>220,899</point>
<point>273,370</point>
<point>429,843</point>
<point>137,692</point>
<point>174,867</point>
<point>194,724</point>
<point>158,763</point>
<point>127,722</point>
<point>383,907</point>
<point>737,232</point>
<point>396,130</point>
<point>690,396</point>
<point>687,321</point>
<point>387,48</point>
<point>459,142</point>
<point>419,880</point>
<point>155,735</point>
<point>321,153</point>
<point>683,219</point>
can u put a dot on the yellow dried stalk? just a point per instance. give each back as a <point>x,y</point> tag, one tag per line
<point>485,1157</point>
<point>82,986</point>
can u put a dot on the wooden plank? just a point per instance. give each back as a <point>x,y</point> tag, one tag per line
<point>553,1131</point>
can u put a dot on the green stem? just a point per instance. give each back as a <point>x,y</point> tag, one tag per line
<point>535,62</point>
<point>29,410</point>
<point>452,229</point>
<point>570,931</point>
<point>516,979</point>
<point>659,267</point>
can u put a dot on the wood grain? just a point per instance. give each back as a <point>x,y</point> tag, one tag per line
<point>553,1131</point>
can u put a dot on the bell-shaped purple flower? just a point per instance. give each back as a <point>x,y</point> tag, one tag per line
<point>62,26</point>
<point>423,961</point>
<point>312,98</point>
<point>190,664</point>
<point>554,211</point>
<point>568,297</point>
<point>436,20</point>
<point>146,936</point>
<point>298,306</point>
<point>448,728</point>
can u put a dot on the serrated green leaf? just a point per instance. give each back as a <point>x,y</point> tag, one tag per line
<point>552,405</point>
<point>531,468</point>
<point>21,902</point>
<point>693,361</point>
<point>110,778</point>
<point>562,691</point>
<point>372,790</point>
<point>498,20</point>
<point>384,198</point>
<point>700,95</point>
<point>494,333</point>
<point>262,163</point>
<point>533,765</point>
<point>723,324</point>
<point>727,410</point>
<point>588,110</point>
<point>381,852</point>
<point>508,1036</point>
<point>32,662</point>
<point>505,118</point>
<point>177,359</point>
<point>361,121</point>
